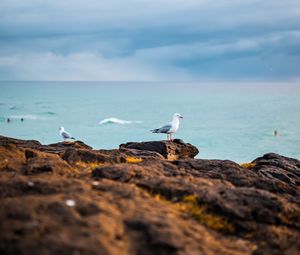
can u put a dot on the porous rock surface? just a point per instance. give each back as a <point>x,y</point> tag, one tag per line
<point>144,198</point>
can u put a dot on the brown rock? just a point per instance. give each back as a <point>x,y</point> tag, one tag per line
<point>67,198</point>
<point>277,167</point>
<point>140,153</point>
<point>90,156</point>
<point>53,165</point>
<point>170,150</point>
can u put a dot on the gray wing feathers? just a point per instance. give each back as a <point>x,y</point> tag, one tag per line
<point>65,135</point>
<point>165,129</point>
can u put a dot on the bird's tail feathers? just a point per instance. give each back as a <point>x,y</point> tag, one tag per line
<point>73,138</point>
<point>155,130</point>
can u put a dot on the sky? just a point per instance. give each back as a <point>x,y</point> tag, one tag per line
<point>149,40</point>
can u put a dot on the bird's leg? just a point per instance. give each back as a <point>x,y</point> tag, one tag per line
<point>168,137</point>
<point>171,137</point>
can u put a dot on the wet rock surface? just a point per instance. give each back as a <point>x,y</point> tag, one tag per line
<point>144,198</point>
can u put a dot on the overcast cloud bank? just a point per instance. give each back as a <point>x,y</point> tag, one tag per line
<point>149,40</point>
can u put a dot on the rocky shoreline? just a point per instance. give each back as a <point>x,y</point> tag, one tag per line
<point>144,198</point>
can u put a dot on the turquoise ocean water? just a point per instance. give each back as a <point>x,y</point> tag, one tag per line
<point>224,120</point>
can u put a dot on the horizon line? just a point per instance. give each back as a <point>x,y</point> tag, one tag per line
<point>295,80</point>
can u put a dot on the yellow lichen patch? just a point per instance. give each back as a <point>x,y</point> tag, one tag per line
<point>133,160</point>
<point>172,157</point>
<point>158,197</point>
<point>248,165</point>
<point>190,206</point>
<point>91,165</point>
<point>190,199</point>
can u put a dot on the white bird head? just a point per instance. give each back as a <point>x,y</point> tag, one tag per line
<point>177,115</point>
<point>61,129</point>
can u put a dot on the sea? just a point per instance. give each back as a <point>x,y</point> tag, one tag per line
<point>225,120</point>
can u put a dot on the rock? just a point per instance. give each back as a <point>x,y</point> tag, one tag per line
<point>53,165</point>
<point>170,150</point>
<point>234,173</point>
<point>279,168</point>
<point>132,200</point>
<point>18,142</point>
<point>72,156</point>
<point>30,154</point>
<point>75,145</point>
<point>140,153</point>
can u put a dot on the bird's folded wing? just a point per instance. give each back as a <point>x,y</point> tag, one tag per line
<point>65,135</point>
<point>165,129</point>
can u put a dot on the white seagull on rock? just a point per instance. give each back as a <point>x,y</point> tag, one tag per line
<point>170,128</point>
<point>65,135</point>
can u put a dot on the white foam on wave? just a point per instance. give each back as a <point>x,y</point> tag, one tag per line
<point>113,120</point>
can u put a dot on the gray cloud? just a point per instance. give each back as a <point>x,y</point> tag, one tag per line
<point>149,40</point>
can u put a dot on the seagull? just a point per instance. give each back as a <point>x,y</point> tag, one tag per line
<point>65,135</point>
<point>170,128</point>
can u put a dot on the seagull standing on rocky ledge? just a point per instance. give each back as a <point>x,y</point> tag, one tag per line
<point>170,128</point>
<point>65,135</point>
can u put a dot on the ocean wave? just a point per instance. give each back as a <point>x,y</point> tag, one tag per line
<point>27,117</point>
<point>113,120</point>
